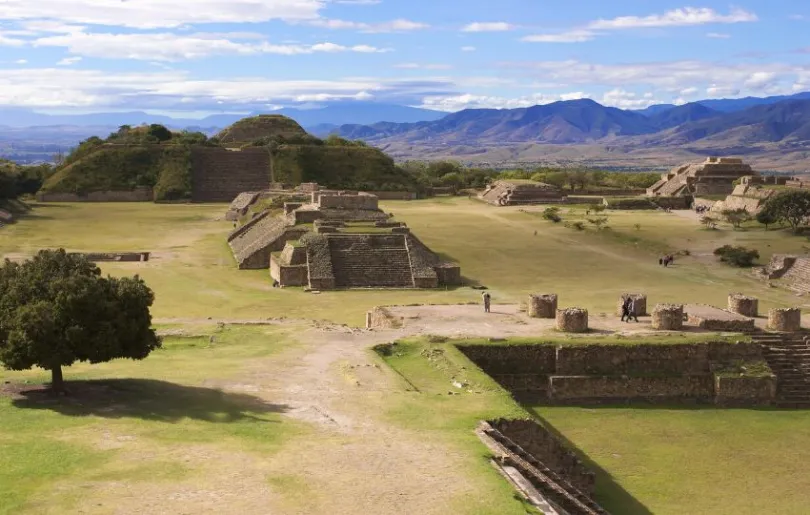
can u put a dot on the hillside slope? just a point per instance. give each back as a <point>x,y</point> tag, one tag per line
<point>260,127</point>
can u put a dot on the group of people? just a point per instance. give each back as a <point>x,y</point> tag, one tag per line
<point>701,209</point>
<point>666,260</point>
<point>629,309</point>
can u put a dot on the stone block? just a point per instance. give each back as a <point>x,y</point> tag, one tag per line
<point>743,305</point>
<point>543,306</point>
<point>668,317</point>
<point>572,320</point>
<point>640,304</point>
<point>785,319</point>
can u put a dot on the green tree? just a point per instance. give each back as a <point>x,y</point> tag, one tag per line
<point>766,217</point>
<point>791,206</point>
<point>56,309</point>
<point>159,132</point>
<point>736,217</point>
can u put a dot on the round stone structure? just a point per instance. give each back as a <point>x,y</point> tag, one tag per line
<point>572,320</point>
<point>785,319</point>
<point>668,317</point>
<point>640,304</point>
<point>743,305</point>
<point>543,306</point>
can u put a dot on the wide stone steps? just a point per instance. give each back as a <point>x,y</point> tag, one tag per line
<point>789,358</point>
<point>797,277</point>
<point>379,267</point>
<point>220,175</point>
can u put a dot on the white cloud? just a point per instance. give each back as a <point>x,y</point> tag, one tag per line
<point>469,101</point>
<point>418,66</point>
<point>718,35</point>
<point>676,18</point>
<point>715,91</point>
<point>627,99</point>
<point>798,17</point>
<point>574,36</point>
<point>10,41</point>
<point>358,2</point>
<point>760,80</point>
<point>488,26</point>
<point>468,49</point>
<point>174,47</point>
<point>67,61</point>
<point>151,14</point>
<point>687,92</point>
<point>399,25</point>
<point>21,61</point>
<point>161,90</point>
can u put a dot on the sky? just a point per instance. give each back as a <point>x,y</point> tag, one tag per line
<point>195,57</point>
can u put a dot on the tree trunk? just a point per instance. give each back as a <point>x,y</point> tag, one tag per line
<point>57,383</point>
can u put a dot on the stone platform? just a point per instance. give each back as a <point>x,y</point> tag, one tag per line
<point>716,319</point>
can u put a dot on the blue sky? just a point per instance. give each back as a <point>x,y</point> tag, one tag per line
<point>202,56</point>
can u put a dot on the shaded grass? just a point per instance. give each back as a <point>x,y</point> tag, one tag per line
<point>169,399</point>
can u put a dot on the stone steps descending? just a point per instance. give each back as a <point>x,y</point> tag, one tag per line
<point>371,261</point>
<point>797,277</point>
<point>219,175</point>
<point>788,356</point>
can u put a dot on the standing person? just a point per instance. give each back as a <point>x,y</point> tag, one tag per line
<point>625,308</point>
<point>631,309</point>
<point>487,299</point>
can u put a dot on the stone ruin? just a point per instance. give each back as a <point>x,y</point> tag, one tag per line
<point>572,320</point>
<point>793,270</point>
<point>640,306</point>
<point>750,197</point>
<point>241,205</point>
<point>521,193</point>
<point>543,306</point>
<point>668,317</point>
<point>98,257</point>
<point>714,176</point>
<point>339,239</point>
<point>785,319</point>
<point>743,305</point>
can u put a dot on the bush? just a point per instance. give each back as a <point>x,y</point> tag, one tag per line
<point>737,256</point>
<point>552,214</point>
<point>579,226</point>
<point>630,203</point>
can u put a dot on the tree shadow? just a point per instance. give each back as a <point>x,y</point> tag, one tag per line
<point>609,493</point>
<point>147,399</point>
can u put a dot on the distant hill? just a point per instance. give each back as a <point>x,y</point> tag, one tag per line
<point>262,126</point>
<point>678,115</point>
<point>726,105</point>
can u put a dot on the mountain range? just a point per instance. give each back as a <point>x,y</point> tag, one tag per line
<point>586,121</point>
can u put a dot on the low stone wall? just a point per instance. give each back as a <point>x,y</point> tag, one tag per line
<point>609,373</point>
<point>785,319</point>
<point>98,257</point>
<point>716,324</point>
<point>547,449</point>
<point>672,202</point>
<point>744,391</point>
<point>636,360</point>
<point>136,195</point>
<point>622,388</point>
<point>572,320</point>
<point>396,195</point>
<point>286,275</point>
<point>326,201</point>
<point>743,305</point>
<point>668,317</point>
<point>381,318</point>
<point>448,275</point>
<point>543,306</point>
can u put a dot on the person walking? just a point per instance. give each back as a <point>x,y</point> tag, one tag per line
<point>625,308</point>
<point>487,299</point>
<point>631,309</point>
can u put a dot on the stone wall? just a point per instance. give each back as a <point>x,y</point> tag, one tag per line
<point>381,318</point>
<point>448,275</point>
<point>586,389</point>
<point>98,257</point>
<point>549,450</point>
<point>219,175</point>
<point>744,391</point>
<point>136,195</point>
<point>358,201</point>
<point>287,275</point>
<point>610,373</point>
<point>396,195</point>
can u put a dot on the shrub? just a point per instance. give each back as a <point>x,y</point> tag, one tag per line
<point>579,226</point>
<point>737,256</point>
<point>552,214</point>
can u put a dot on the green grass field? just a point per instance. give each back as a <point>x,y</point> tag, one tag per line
<point>198,415</point>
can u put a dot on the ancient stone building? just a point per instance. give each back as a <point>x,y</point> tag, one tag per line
<point>518,193</point>
<point>714,176</point>
<point>339,239</point>
<point>745,196</point>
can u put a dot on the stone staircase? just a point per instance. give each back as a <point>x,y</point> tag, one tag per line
<point>549,483</point>
<point>370,261</point>
<point>672,186</point>
<point>219,175</point>
<point>797,278</point>
<point>788,355</point>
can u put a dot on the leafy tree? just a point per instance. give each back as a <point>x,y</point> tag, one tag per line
<point>159,132</point>
<point>552,214</point>
<point>598,222</point>
<point>737,256</point>
<point>766,217</point>
<point>709,222</point>
<point>736,217</point>
<point>791,206</point>
<point>56,309</point>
